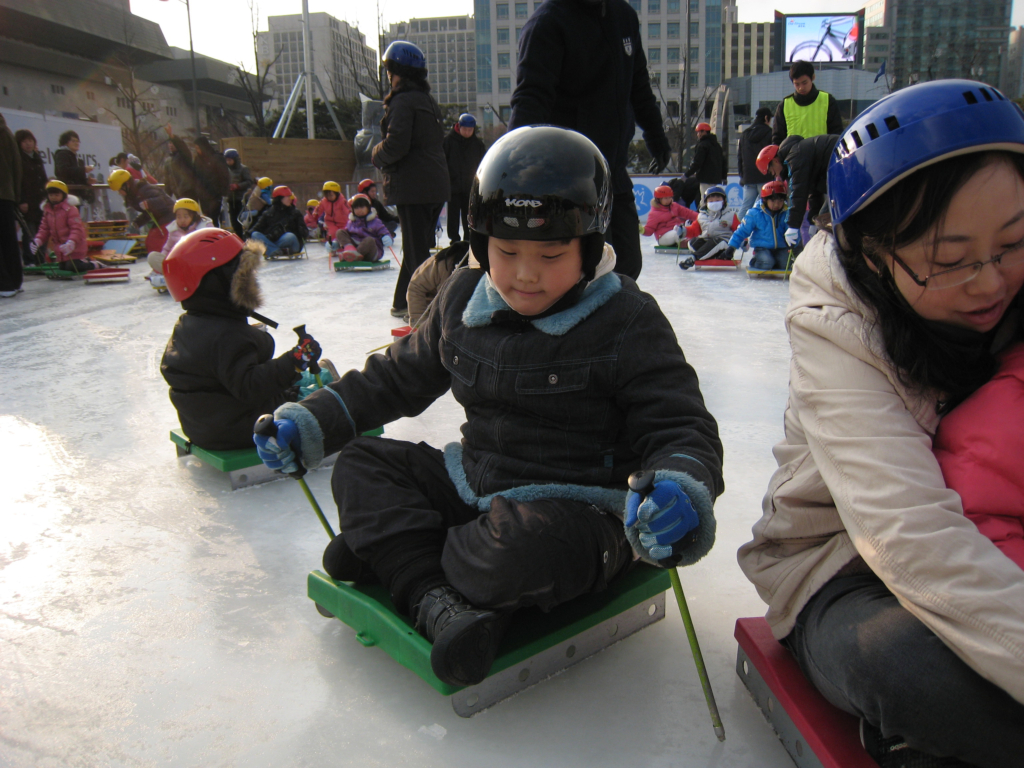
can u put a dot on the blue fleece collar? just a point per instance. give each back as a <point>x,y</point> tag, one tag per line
<point>486,300</point>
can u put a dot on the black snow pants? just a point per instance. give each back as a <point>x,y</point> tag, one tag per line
<point>401,514</point>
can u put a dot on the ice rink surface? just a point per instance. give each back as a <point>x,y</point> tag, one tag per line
<point>151,616</point>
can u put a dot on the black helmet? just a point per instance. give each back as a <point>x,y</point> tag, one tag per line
<point>541,183</point>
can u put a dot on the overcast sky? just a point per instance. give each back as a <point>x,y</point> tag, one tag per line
<point>222,29</point>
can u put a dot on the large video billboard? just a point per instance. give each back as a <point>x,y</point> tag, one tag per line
<point>835,37</point>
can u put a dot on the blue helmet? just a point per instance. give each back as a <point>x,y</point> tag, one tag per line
<point>232,154</point>
<point>913,128</point>
<point>715,190</point>
<point>466,120</point>
<point>405,54</point>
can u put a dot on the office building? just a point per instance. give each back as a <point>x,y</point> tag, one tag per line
<point>449,43</point>
<point>747,49</point>
<point>342,61</point>
<point>938,39</point>
<point>666,43</point>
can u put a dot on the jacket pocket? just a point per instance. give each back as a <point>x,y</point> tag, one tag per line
<point>459,364</point>
<point>553,379</point>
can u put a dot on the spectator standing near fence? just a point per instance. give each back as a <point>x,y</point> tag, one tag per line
<point>33,188</point>
<point>10,191</point>
<point>752,141</point>
<point>463,150</point>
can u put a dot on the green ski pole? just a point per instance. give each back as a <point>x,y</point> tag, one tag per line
<point>265,426</point>
<point>643,483</point>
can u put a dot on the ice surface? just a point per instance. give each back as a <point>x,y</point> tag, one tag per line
<point>151,616</point>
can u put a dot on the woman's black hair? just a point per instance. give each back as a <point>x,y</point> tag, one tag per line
<point>412,77</point>
<point>66,137</point>
<point>928,356</point>
<point>21,134</point>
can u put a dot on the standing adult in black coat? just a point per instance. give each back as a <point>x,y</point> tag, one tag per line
<point>411,159</point>
<point>213,179</point>
<point>804,162</point>
<point>582,66</point>
<point>463,150</point>
<point>33,188</point>
<point>708,165</point>
<point>10,191</point>
<point>72,171</point>
<point>752,141</point>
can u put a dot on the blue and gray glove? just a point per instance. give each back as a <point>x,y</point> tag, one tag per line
<point>657,524</point>
<point>388,240</point>
<point>283,450</point>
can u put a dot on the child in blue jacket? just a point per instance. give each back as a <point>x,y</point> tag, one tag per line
<point>765,225</point>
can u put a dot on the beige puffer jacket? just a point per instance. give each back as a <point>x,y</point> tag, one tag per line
<point>857,479</point>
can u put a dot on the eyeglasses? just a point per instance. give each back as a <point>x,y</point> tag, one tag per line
<point>950,278</point>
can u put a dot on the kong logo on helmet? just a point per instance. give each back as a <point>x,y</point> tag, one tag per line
<point>522,203</point>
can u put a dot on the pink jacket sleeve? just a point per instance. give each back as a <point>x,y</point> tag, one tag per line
<point>43,233</point>
<point>979,446</point>
<point>683,213</point>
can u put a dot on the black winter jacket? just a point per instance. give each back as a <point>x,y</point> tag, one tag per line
<point>708,165</point>
<point>463,156</point>
<point>222,378</point>
<point>411,157</point>
<point>806,162</point>
<point>242,178</point>
<point>561,407</point>
<point>582,66</point>
<point>752,141</point>
<point>276,219</point>
<point>33,183</point>
<point>69,169</point>
<point>833,117</point>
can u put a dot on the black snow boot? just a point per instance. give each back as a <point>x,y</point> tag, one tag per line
<point>465,638</point>
<point>341,564</point>
<point>894,752</point>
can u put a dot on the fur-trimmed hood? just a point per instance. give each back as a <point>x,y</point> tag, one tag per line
<point>245,287</point>
<point>367,218</point>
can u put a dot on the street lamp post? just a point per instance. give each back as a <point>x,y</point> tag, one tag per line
<point>192,56</point>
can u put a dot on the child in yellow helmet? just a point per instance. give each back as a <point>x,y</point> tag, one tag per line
<point>62,230</point>
<point>188,217</point>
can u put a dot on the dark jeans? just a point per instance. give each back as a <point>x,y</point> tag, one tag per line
<point>10,253</point>
<point>541,553</point>
<point>871,657</point>
<point>417,222</point>
<point>624,235</point>
<point>458,208</point>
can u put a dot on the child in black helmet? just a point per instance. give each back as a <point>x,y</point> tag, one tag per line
<point>571,378</point>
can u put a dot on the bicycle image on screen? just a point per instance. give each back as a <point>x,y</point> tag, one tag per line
<point>838,42</point>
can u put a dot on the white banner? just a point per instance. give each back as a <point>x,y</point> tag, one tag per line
<point>99,142</point>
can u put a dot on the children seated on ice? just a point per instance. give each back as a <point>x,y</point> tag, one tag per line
<point>667,217</point>
<point>571,377</point>
<point>765,227</point>
<point>333,210</point>
<point>188,217</point>
<point>709,235</point>
<point>367,234</point>
<point>313,222</point>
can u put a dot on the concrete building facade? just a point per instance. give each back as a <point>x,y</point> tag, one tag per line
<point>345,65</point>
<point>114,68</point>
<point>747,49</point>
<point>449,43</point>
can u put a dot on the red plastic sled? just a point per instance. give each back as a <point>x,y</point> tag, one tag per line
<point>110,275</point>
<point>816,734</point>
<point>404,330</point>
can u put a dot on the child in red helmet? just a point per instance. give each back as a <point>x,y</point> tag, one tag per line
<point>765,225</point>
<point>221,370</point>
<point>280,227</point>
<point>368,187</point>
<point>368,234</point>
<point>665,216</point>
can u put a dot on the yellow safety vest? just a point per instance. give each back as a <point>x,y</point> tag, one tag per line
<point>808,121</point>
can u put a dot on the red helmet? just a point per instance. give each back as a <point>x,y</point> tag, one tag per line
<point>365,184</point>
<point>196,254</point>
<point>281,191</point>
<point>775,188</point>
<point>360,198</point>
<point>663,191</point>
<point>765,157</point>
<point>704,127</point>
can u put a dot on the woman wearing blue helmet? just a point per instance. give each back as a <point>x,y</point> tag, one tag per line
<point>411,159</point>
<point>896,607</point>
